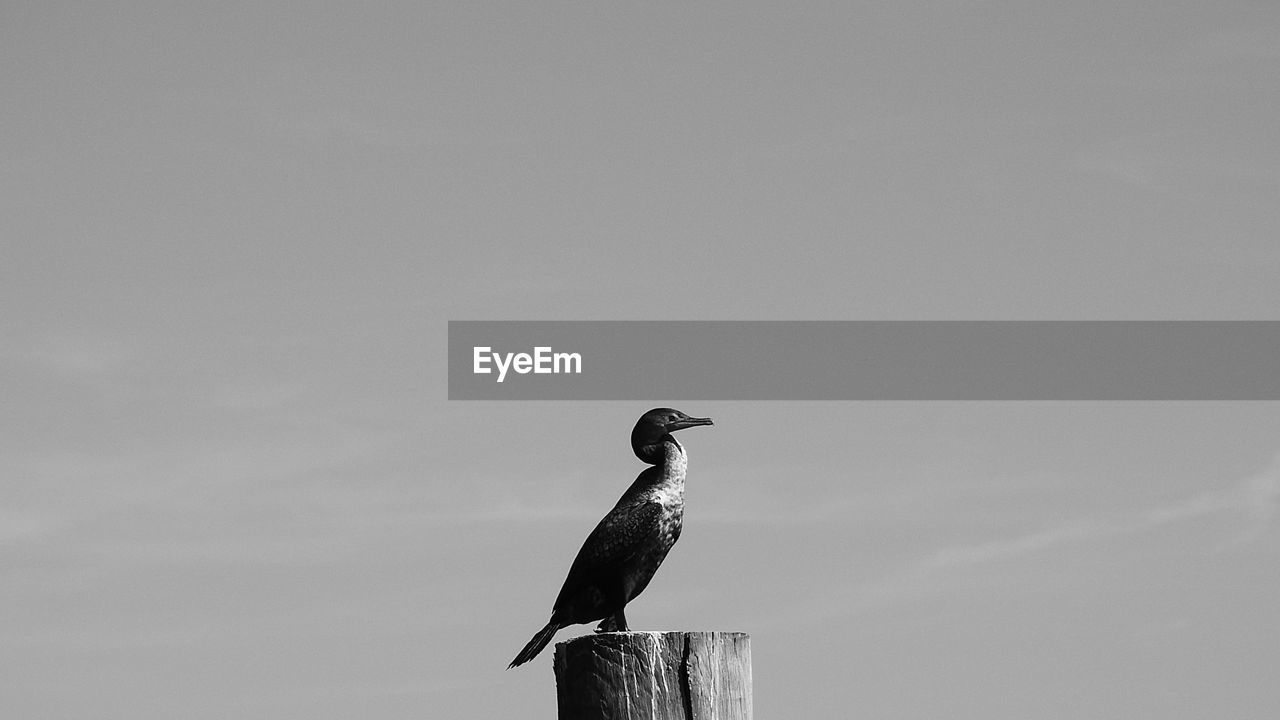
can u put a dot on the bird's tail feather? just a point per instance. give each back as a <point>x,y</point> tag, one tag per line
<point>535,645</point>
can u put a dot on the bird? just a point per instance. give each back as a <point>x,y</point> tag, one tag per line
<point>620,556</point>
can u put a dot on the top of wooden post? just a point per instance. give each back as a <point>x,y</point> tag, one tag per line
<point>655,675</point>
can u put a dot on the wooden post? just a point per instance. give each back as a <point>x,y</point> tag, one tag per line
<point>655,676</point>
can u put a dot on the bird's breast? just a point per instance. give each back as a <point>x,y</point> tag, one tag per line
<point>668,495</point>
<point>670,516</point>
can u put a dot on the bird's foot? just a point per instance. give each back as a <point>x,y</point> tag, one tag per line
<point>614,623</point>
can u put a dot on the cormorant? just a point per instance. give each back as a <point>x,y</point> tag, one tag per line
<point>620,556</point>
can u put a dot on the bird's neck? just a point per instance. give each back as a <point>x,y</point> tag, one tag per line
<point>667,454</point>
<point>663,480</point>
<point>671,471</point>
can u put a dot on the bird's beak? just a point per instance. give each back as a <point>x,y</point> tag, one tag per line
<point>688,423</point>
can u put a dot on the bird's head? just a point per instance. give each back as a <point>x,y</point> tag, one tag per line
<point>657,424</point>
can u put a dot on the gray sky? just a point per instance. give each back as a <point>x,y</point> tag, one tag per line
<point>233,234</point>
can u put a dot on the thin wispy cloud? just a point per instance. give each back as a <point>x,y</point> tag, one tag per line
<point>1249,505</point>
<point>308,106</point>
<point>1143,161</point>
<point>73,355</point>
<point>19,525</point>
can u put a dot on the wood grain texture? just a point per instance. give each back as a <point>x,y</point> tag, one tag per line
<point>655,676</point>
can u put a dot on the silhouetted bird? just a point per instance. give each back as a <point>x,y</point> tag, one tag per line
<point>622,553</point>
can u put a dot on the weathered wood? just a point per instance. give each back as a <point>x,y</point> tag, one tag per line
<point>655,676</point>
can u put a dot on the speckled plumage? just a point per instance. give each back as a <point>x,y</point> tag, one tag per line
<point>620,556</point>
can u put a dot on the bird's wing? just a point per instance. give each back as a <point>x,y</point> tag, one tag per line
<point>620,535</point>
<point>616,540</point>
